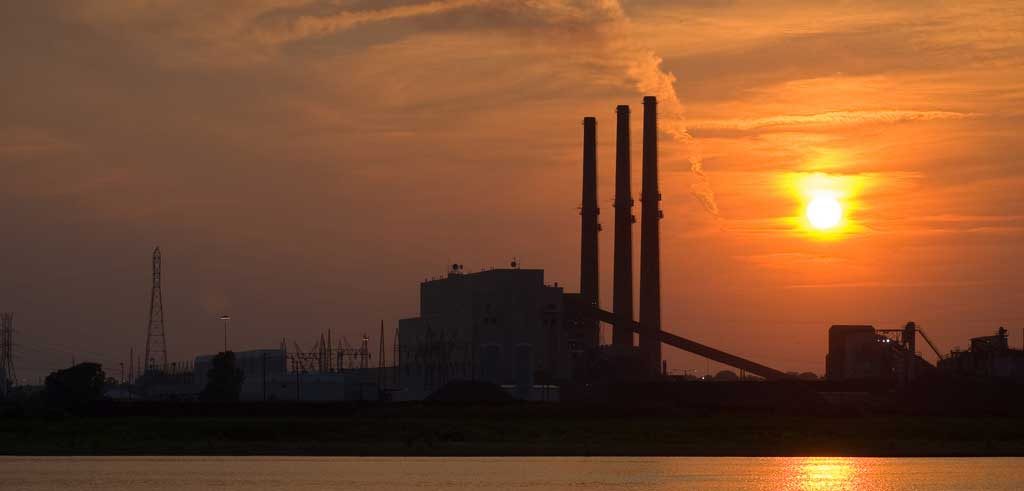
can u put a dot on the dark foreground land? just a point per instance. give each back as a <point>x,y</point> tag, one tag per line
<point>513,430</point>
<point>715,421</point>
<point>474,432</point>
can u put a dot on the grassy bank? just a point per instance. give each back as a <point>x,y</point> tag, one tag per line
<point>514,429</point>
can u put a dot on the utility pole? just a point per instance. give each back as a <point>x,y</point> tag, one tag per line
<point>7,375</point>
<point>396,358</point>
<point>364,355</point>
<point>226,319</point>
<point>380,360</point>
<point>131,371</point>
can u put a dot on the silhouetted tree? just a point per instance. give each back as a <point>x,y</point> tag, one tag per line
<point>76,385</point>
<point>223,380</point>
<point>726,376</point>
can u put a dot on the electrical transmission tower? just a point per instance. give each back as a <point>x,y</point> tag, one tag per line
<point>156,343</point>
<point>7,375</point>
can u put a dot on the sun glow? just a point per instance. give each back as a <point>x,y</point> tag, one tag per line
<point>824,211</point>
<point>826,203</point>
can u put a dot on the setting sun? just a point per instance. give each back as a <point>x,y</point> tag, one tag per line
<point>826,204</point>
<point>824,212</point>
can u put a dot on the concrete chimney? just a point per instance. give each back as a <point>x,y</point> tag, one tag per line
<point>589,227</point>
<point>622,293</point>
<point>650,250</point>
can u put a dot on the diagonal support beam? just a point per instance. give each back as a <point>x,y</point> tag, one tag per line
<point>704,350</point>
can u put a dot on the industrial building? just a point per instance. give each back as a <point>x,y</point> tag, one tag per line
<point>864,353</point>
<point>988,356</point>
<point>321,375</point>
<point>861,352</point>
<point>503,326</point>
<point>274,374</point>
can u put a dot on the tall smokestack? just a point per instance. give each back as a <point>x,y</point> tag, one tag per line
<point>650,253</point>
<point>589,227</point>
<point>622,294</point>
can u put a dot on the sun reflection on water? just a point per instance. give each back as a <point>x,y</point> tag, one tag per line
<point>823,473</point>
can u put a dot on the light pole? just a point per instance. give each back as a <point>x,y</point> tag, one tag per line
<point>225,318</point>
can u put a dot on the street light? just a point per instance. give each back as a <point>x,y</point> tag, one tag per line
<point>225,318</point>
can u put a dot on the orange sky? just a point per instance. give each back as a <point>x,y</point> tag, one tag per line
<point>304,164</point>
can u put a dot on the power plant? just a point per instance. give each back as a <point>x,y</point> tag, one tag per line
<point>628,361</point>
<point>504,326</point>
<point>509,328</point>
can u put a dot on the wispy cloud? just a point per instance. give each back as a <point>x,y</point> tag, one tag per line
<point>314,26</point>
<point>789,260</point>
<point>884,284</point>
<point>825,120</point>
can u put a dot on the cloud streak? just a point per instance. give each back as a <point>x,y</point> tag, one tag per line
<point>826,120</point>
<point>315,26</point>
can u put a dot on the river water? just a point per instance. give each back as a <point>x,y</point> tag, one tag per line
<point>535,474</point>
